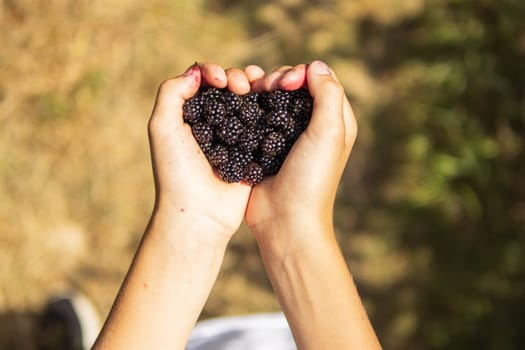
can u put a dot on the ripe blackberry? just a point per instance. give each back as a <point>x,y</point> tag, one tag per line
<point>253,173</point>
<point>192,109</point>
<point>273,144</point>
<point>293,130</point>
<point>270,164</point>
<point>279,99</point>
<point>250,139</point>
<point>278,118</point>
<point>238,156</point>
<point>302,103</point>
<point>211,93</point>
<point>215,112</point>
<point>230,131</point>
<point>264,128</point>
<point>233,170</point>
<point>202,132</point>
<point>217,155</point>
<point>250,113</point>
<point>251,97</point>
<point>233,102</point>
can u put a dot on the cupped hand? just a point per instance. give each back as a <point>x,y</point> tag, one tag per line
<point>186,185</point>
<point>303,191</point>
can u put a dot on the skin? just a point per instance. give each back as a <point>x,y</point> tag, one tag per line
<point>196,214</point>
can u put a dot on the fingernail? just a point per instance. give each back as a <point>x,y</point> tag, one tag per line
<point>191,70</point>
<point>320,68</point>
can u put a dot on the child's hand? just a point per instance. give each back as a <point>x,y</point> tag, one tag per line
<point>303,192</point>
<point>186,186</point>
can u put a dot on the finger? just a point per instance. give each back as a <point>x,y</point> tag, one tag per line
<point>327,123</point>
<point>213,75</point>
<point>350,127</point>
<point>237,81</point>
<point>349,121</point>
<point>294,78</point>
<point>270,82</point>
<point>326,128</point>
<point>173,92</point>
<point>253,73</point>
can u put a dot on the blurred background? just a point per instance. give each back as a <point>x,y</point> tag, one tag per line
<point>431,211</point>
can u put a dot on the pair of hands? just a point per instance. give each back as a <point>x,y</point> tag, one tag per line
<point>302,193</point>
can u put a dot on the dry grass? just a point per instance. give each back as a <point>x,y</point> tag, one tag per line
<point>77,82</point>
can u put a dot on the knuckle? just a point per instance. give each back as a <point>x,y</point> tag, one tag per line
<point>167,86</point>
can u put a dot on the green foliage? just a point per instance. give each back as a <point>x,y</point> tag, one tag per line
<point>454,129</point>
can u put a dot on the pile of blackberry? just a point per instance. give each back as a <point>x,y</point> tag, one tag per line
<point>247,137</point>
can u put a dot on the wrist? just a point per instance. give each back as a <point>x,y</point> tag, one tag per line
<point>179,224</point>
<point>281,238</point>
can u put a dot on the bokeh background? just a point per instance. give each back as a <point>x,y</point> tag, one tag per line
<point>431,211</point>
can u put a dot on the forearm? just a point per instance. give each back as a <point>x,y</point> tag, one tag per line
<point>317,292</point>
<point>166,287</point>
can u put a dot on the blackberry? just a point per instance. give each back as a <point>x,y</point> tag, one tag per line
<point>278,118</point>
<point>250,139</point>
<point>293,130</point>
<point>192,109</point>
<point>217,155</point>
<point>302,103</point>
<point>230,131</point>
<point>264,128</point>
<point>233,170</point>
<point>239,157</point>
<point>279,99</point>
<point>273,144</point>
<point>250,113</point>
<point>233,102</point>
<point>290,128</point>
<point>211,93</point>
<point>251,97</point>
<point>215,112</point>
<point>270,165</point>
<point>203,133</point>
<point>253,173</point>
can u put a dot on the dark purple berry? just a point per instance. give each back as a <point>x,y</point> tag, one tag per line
<point>250,113</point>
<point>253,173</point>
<point>278,118</point>
<point>269,164</point>
<point>230,131</point>
<point>233,102</point>
<point>211,93</point>
<point>231,172</point>
<point>192,110</point>
<point>218,155</point>
<point>250,139</point>
<point>215,112</point>
<point>279,99</point>
<point>273,144</point>
<point>202,132</point>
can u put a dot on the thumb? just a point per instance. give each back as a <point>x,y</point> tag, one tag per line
<point>327,123</point>
<point>173,93</point>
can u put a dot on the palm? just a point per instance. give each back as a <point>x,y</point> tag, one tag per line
<point>185,173</point>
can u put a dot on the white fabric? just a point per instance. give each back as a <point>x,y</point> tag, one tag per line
<point>252,332</point>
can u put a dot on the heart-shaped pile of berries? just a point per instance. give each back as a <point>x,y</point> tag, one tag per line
<point>247,137</point>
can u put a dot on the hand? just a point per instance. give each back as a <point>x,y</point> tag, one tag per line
<point>303,191</point>
<point>186,185</point>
